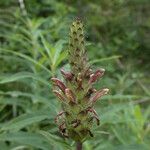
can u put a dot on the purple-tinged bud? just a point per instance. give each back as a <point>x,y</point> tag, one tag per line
<point>99,73</point>
<point>91,78</point>
<point>88,72</point>
<point>59,95</point>
<point>59,115</point>
<point>99,94</point>
<point>92,111</point>
<point>59,83</point>
<point>69,95</point>
<point>67,75</point>
<point>90,91</point>
<point>75,123</point>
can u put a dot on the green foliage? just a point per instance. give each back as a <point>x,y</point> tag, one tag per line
<point>33,49</point>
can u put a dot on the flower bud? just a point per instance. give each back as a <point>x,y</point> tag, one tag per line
<point>59,95</point>
<point>69,95</point>
<point>99,94</point>
<point>67,75</point>
<point>59,83</point>
<point>99,73</point>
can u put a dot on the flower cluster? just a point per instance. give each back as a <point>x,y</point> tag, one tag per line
<point>77,93</point>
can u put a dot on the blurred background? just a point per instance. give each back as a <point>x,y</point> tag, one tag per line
<point>34,37</point>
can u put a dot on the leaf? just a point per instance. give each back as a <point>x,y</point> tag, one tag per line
<point>119,136</point>
<point>62,56</point>
<point>139,117</point>
<point>105,59</point>
<point>31,139</point>
<point>110,114</point>
<point>120,96</point>
<point>55,139</point>
<point>145,89</point>
<point>25,120</point>
<point>47,48</point>
<point>21,75</point>
<point>19,148</point>
<point>34,98</point>
<point>58,48</point>
<point>12,101</point>
<point>87,145</point>
<point>26,57</point>
<point>131,147</point>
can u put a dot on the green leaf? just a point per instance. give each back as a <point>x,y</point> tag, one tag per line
<point>58,48</point>
<point>105,59</point>
<point>47,48</point>
<point>25,120</point>
<point>35,98</point>
<point>21,75</point>
<point>131,147</point>
<point>55,139</point>
<point>12,101</point>
<point>62,56</point>
<point>25,57</point>
<point>139,117</point>
<point>120,96</point>
<point>87,145</point>
<point>34,140</point>
<point>119,136</point>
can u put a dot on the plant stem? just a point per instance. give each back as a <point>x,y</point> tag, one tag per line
<point>79,146</point>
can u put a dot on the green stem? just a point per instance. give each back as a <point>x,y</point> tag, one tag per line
<point>79,146</point>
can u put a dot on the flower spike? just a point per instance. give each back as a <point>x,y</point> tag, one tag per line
<point>77,91</point>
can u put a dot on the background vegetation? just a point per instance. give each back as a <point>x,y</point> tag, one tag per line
<point>34,47</point>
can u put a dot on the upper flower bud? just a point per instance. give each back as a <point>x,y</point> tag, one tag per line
<point>99,73</point>
<point>77,53</point>
<point>67,75</point>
